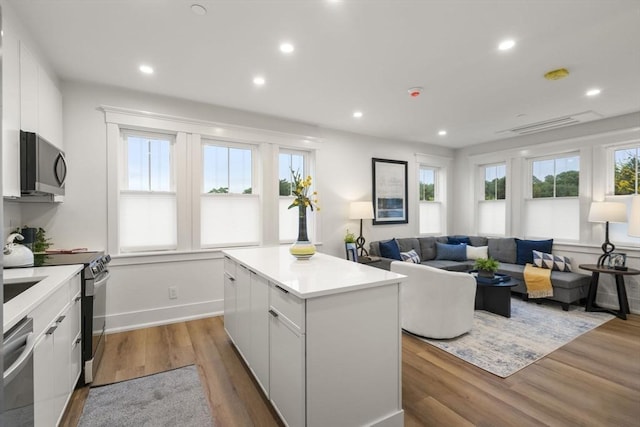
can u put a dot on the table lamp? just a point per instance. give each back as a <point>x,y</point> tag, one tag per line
<point>361,210</point>
<point>607,212</point>
<point>634,219</point>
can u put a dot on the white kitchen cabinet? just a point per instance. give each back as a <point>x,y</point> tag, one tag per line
<point>287,370</point>
<point>230,296</point>
<point>75,319</point>
<point>243,311</point>
<point>259,334</point>
<point>28,90</point>
<point>49,110</point>
<point>334,337</point>
<point>10,113</point>
<point>40,100</point>
<point>55,363</point>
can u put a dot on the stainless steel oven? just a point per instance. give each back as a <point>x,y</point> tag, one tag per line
<point>17,352</point>
<point>95,277</point>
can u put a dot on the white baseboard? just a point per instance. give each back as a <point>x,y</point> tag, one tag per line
<point>121,322</point>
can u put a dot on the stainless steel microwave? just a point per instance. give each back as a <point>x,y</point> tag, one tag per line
<point>43,168</point>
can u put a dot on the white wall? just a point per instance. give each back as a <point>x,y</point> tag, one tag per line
<point>138,290</point>
<point>590,139</point>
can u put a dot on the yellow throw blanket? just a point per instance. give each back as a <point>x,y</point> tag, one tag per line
<point>538,281</point>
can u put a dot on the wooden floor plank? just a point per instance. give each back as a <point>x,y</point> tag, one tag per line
<point>592,381</point>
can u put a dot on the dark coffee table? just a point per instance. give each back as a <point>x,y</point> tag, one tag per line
<point>495,297</point>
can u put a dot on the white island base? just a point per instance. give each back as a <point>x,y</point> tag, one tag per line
<point>322,336</point>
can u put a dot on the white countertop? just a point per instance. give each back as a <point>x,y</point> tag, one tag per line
<point>51,278</point>
<point>320,275</point>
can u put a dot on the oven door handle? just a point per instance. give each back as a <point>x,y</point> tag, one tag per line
<point>12,371</point>
<point>92,287</point>
<point>103,279</point>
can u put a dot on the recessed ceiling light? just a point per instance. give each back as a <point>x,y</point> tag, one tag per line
<point>442,132</point>
<point>258,80</point>
<point>146,69</point>
<point>593,92</point>
<point>506,44</point>
<point>357,114</point>
<point>198,9</point>
<point>286,48</point>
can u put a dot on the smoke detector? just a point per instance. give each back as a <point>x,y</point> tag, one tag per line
<point>558,74</point>
<point>415,92</point>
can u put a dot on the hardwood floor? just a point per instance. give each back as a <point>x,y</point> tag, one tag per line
<point>592,381</point>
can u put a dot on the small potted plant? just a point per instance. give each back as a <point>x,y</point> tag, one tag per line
<point>349,237</point>
<point>486,267</point>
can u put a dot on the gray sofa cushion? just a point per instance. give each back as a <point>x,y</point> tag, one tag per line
<point>449,265</point>
<point>503,249</point>
<point>478,241</point>
<point>427,248</point>
<point>407,243</point>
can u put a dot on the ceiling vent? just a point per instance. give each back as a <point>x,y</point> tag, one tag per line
<point>557,122</point>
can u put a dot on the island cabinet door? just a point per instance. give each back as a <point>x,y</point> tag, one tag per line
<point>230,268</point>
<point>259,355</point>
<point>287,366</point>
<point>243,310</point>
<point>230,316</point>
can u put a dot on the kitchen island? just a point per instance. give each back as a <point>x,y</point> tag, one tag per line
<point>321,336</point>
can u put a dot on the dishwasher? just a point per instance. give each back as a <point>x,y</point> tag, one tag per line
<point>17,351</point>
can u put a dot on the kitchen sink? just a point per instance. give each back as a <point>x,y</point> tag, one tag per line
<point>12,290</point>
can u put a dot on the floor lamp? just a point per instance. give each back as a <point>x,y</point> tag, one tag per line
<point>361,210</point>
<point>607,212</point>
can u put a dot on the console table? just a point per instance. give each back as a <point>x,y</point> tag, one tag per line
<point>623,302</point>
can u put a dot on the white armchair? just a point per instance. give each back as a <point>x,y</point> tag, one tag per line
<point>435,303</point>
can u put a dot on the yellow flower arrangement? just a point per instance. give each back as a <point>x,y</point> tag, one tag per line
<point>300,190</point>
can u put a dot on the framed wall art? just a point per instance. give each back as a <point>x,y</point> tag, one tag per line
<point>390,193</point>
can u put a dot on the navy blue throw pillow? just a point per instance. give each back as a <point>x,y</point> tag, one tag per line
<point>458,240</point>
<point>390,249</point>
<point>525,248</point>
<point>451,252</point>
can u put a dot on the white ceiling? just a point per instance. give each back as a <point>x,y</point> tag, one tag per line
<point>359,55</point>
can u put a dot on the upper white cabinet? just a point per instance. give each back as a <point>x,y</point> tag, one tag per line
<point>10,114</point>
<point>31,101</point>
<point>28,90</point>
<point>40,100</point>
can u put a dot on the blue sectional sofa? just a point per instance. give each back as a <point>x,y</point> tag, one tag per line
<point>568,287</point>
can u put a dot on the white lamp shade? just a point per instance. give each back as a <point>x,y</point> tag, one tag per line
<point>361,210</point>
<point>634,219</point>
<point>608,211</point>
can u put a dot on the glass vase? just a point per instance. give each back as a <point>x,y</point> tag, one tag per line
<point>302,248</point>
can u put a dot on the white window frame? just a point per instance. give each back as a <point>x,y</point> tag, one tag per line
<point>434,207</point>
<point>566,202</point>
<point>308,166</point>
<point>198,193</point>
<point>123,183</point>
<point>491,206</point>
<point>188,134</point>
<point>618,231</point>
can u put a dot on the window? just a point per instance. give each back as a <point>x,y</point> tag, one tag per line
<point>229,207</point>
<point>626,183</point>
<point>554,207</point>
<point>148,217</point>
<point>492,205</point>
<point>297,161</point>
<point>626,171</point>
<point>430,207</point>
<point>556,177</point>
<point>495,182</point>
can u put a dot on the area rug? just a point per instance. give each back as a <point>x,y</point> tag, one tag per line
<point>172,398</point>
<point>503,345</point>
